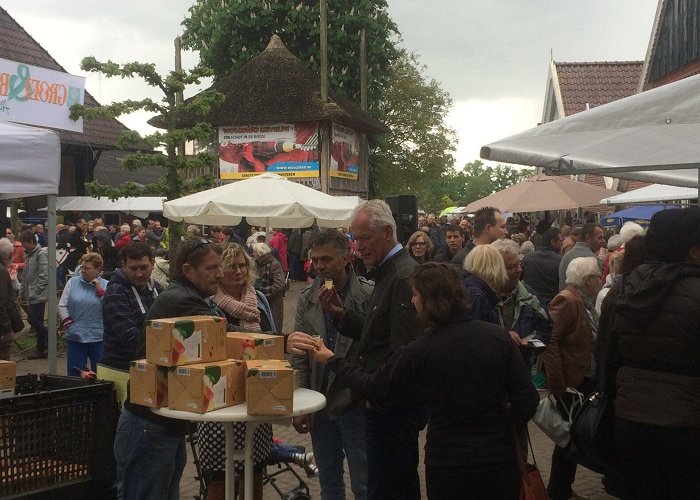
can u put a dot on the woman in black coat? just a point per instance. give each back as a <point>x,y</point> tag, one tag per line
<point>472,375</point>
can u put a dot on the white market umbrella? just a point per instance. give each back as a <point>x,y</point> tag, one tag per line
<point>652,136</point>
<point>652,194</point>
<point>267,199</point>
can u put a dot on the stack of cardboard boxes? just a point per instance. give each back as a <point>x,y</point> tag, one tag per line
<point>192,364</point>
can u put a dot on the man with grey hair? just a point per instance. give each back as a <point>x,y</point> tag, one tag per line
<point>391,322</point>
<point>337,299</point>
<point>7,297</point>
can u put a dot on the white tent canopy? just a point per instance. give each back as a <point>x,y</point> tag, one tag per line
<point>651,136</point>
<point>140,206</point>
<point>30,161</point>
<point>267,199</point>
<point>30,164</point>
<point>652,194</point>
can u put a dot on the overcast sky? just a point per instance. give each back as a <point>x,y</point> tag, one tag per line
<point>491,56</point>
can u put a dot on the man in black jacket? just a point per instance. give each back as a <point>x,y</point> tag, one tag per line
<point>541,267</point>
<point>150,450</point>
<point>391,322</point>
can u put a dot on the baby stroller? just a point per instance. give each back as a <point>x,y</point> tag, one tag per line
<point>272,471</point>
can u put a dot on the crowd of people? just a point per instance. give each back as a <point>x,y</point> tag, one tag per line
<point>478,301</point>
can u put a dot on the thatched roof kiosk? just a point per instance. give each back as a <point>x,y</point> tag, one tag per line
<point>277,87</point>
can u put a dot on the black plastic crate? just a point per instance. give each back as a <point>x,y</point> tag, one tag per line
<point>57,437</point>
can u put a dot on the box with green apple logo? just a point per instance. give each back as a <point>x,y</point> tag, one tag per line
<point>185,340</point>
<point>204,387</point>
<point>148,384</point>
<point>270,387</point>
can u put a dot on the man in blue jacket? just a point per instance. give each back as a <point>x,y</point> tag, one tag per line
<point>129,295</point>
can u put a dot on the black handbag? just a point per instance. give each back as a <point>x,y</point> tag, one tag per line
<point>592,432</point>
<point>592,429</point>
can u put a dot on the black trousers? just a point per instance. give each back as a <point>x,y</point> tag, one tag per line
<point>392,452</point>
<point>499,481</point>
<point>658,462</point>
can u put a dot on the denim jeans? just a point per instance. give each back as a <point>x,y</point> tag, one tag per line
<point>150,460</point>
<point>35,317</point>
<point>392,452</point>
<point>77,354</point>
<point>333,441</point>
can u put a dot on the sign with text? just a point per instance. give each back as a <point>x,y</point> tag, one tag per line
<point>290,150</point>
<point>345,153</point>
<point>38,96</point>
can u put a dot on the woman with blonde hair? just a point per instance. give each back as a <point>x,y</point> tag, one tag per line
<point>80,309</point>
<point>245,308</point>
<point>485,276</point>
<point>420,247</point>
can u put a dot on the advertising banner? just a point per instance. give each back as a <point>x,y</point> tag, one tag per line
<point>345,153</point>
<point>290,150</point>
<point>38,96</point>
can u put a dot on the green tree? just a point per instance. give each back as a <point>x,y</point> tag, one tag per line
<point>228,33</point>
<point>476,181</point>
<point>173,184</point>
<point>418,149</point>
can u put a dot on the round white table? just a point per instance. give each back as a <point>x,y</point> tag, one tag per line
<point>305,401</point>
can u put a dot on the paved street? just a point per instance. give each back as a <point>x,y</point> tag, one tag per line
<point>587,483</point>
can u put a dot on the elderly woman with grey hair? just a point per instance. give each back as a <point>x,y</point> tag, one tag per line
<point>568,359</point>
<point>519,311</point>
<point>270,281</point>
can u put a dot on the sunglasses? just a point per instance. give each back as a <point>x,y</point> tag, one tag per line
<point>201,243</point>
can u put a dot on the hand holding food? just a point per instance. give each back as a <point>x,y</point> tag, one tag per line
<point>300,343</point>
<point>321,354</point>
<point>331,302</point>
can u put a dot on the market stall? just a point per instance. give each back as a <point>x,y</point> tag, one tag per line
<point>30,166</point>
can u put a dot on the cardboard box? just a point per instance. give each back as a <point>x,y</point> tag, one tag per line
<point>270,387</point>
<point>8,372</point>
<point>185,340</point>
<point>205,387</point>
<point>242,345</point>
<point>148,384</point>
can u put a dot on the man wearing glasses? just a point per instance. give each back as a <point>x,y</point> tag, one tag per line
<point>150,449</point>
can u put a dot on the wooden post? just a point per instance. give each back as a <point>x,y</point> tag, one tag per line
<point>179,98</point>
<point>363,71</point>
<point>364,146</point>
<point>324,127</point>
<point>324,52</point>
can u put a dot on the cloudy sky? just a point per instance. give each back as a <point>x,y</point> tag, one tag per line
<point>491,56</point>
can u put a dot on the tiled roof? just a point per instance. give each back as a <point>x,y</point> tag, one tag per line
<point>17,45</point>
<point>109,170</point>
<point>596,83</point>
